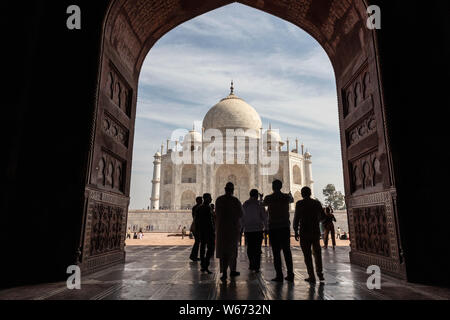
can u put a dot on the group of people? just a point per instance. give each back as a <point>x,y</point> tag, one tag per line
<point>137,235</point>
<point>218,229</point>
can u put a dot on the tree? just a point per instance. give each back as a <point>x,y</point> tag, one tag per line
<point>333,198</point>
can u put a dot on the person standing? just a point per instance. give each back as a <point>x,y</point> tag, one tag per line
<point>195,247</point>
<point>329,228</point>
<point>338,233</point>
<point>129,233</point>
<point>254,222</point>
<point>308,213</point>
<point>204,227</point>
<point>279,229</point>
<point>229,212</point>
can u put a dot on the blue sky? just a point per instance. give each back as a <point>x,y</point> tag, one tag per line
<point>277,68</point>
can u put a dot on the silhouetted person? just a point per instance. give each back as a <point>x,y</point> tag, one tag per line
<point>195,247</point>
<point>204,227</point>
<point>228,225</point>
<point>279,229</point>
<point>129,233</point>
<point>329,228</point>
<point>254,222</point>
<point>308,213</point>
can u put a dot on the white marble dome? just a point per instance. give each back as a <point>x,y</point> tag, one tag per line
<point>232,112</point>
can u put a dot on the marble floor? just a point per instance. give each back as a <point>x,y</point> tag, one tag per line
<point>165,273</point>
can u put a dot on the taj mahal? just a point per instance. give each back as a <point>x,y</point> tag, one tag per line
<point>176,184</point>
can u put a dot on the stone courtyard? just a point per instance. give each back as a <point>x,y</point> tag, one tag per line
<point>166,273</point>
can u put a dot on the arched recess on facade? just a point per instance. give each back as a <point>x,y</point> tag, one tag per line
<point>189,173</point>
<point>297,175</point>
<point>167,175</point>
<point>166,201</point>
<point>238,175</point>
<point>187,200</point>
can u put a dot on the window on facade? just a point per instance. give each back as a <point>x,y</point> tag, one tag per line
<point>297,175</point>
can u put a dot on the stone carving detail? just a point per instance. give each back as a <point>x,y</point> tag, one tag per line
<point>110,173</point>
<point>358,91</point>
<point>365,172</point>
<point>113,129</point>
<point>371,231</point>
<point>106,228</point>
<point>119,91</point>
<point>362,130</point>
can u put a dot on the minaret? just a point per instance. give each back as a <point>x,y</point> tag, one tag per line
<point>296,145</point>
<point>156,182</point>
<point>287,144</point>
<point>308,170</point>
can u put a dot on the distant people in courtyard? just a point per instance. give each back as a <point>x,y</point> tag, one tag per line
<point>135,235</point>
<point>140,235</point>
<point>196,246</point>
<point>254,223</point>
<point>183,232</point>
<point>338,233</point>
<point>279,230</point>
<point>345,236</point>
<point>308,213</point>
<point>328,226</point>
<point>129,233</point>
<point>204,227</point>
<point>229,212</point>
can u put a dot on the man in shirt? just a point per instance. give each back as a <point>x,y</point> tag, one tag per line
<point>279,229</point>
<point>204,226</point>
<point>308,213</point>
<point>254,222</point>
<point>228,225</point>
<point>195,247</point>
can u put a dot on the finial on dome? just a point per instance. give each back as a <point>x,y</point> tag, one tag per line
<point>270,126</point>
<point>232,87</point>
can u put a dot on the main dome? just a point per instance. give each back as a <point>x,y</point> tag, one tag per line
<point>232,112</point>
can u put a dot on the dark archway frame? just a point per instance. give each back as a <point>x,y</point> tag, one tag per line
<point>132,27</point>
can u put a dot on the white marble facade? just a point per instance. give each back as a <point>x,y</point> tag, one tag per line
<point>175,186</point>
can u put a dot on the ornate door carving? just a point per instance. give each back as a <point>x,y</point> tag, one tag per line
<point>369,186</point>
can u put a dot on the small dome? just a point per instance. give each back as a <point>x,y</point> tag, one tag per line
<point>192,141</point>
<point>307,155</point>
<point>158,155</point>
<point>232,112</point>
<point>192,136</point>
<point>272,135</point>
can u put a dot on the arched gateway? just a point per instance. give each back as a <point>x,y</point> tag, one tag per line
<point>132,27</point>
